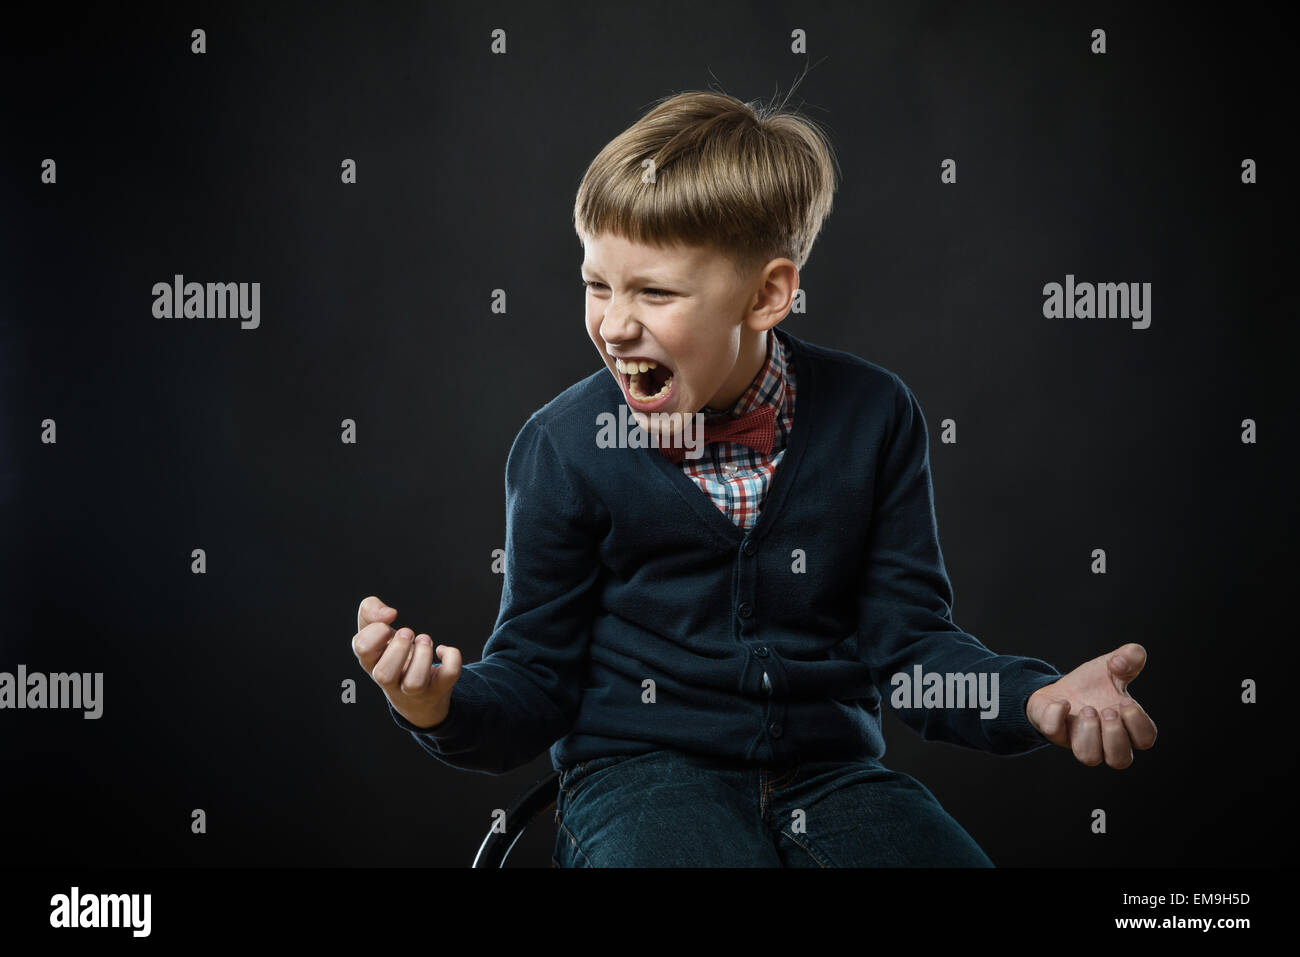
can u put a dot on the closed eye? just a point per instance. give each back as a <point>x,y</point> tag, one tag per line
<point>592,284</point>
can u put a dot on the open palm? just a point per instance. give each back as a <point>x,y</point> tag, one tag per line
<point>1090,712</point>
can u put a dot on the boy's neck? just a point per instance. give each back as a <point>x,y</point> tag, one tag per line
<point>753,354</point>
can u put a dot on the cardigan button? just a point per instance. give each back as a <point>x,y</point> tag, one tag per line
<point>761,651</point>
<point>745,610</point>
<point>750,548</point>
<point>775,729</point>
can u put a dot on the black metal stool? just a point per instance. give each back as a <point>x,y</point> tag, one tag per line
<point>541,797</point>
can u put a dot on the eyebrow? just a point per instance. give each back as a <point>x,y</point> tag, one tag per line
<point>635,280</point>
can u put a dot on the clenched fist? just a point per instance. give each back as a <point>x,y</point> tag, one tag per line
<point>401,663</point>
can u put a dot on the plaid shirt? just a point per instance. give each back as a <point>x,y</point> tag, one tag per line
<point>735,476</point>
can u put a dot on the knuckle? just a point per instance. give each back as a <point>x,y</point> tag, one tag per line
<point>410,687</point>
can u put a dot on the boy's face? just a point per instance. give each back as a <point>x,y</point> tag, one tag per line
<point>685,309</point>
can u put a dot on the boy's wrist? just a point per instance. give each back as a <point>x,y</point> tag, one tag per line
<point>438,722</point>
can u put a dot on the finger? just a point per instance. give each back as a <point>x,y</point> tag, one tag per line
<point>389,670</point>
<point>419,672</point>
<point>1141,729</point>
<point>1053,722</point>
<point>445,675</point>
<point>1085,737</point>
<point>1126,663</point>
<point>372,609</point>
<point>369,643</point>
<point>1114,740</point>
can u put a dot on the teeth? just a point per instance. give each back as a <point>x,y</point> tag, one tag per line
<point>634,387</point>
<point>637,369</point>
<point>639,366</point>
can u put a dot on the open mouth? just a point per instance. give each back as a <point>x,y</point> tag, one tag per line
<point>645,380</point>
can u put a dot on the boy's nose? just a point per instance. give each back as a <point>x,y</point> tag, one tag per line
<point>617,319</point>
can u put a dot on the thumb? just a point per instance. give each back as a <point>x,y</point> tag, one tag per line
<point>448,669</point>
<point>1126,663</point>
<point>1050,720</point>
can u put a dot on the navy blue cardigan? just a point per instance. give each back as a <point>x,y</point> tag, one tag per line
<point>635,615</point>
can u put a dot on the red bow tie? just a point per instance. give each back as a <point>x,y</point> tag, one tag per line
<point>756,428</point>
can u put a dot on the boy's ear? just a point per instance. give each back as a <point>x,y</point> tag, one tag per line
<point>777,286</point>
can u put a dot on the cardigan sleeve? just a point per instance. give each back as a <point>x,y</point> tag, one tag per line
<point>524,693</point>
<point>906,607</point>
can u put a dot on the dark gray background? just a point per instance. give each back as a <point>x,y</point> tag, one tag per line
<point>222,691</point>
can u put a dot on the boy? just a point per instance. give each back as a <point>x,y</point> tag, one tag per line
<point>701,625</point>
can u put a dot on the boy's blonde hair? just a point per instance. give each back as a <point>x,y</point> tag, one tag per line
<point>752,181</point>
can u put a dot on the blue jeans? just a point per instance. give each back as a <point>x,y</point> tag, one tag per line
<point>669,808</point>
